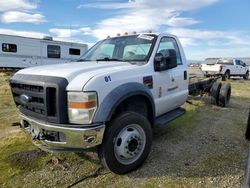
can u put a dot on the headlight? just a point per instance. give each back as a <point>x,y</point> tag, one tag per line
<point>81,107</point>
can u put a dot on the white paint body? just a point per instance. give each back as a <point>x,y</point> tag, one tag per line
<point>90,76</point>
<point>33,52</point>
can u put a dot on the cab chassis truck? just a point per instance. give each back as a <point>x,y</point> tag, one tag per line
<point>112,98</point>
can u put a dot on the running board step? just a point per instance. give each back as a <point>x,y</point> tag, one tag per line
<point>169,116</point>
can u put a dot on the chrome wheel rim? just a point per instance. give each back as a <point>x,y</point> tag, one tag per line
<point>129,144</point>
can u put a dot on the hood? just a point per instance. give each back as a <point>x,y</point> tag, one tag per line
<point>72,70</point>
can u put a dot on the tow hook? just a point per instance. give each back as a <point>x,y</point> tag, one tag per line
<point>89,139</point>
<point>38,136</point>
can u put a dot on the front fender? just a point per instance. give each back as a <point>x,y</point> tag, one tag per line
<point>119,94</point>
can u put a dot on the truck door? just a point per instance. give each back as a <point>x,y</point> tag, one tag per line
<point>170,86</point>
<point>238,67</point>
<point>243,68</point>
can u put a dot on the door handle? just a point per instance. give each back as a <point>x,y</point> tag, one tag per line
<point>185,75</point>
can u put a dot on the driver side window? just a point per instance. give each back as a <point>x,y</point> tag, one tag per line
<point>242,64</point>
<point>237,62</point>
<point>168,43</point>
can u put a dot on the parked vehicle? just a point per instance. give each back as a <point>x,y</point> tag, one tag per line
<point>123,88</point>
<point>21,52</point>
<point>194,64</point>
<point>227,68</point>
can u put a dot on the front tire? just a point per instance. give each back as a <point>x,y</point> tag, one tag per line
<point>126,143</point>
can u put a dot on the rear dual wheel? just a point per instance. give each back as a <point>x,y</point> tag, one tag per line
<point>126,144</point>
<point>225,95</point>
<point>215,92</point>
<point>220,94</point>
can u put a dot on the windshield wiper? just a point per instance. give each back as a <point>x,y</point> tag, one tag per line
<point>108,59</point>
<point>101,59</point>
<point>81,60</point>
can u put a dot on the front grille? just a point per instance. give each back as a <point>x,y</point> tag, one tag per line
<point>36,97</point>
<point>46,97</point>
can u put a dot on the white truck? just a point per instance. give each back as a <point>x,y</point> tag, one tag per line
<point>226,67</point>
<point>112,98</point>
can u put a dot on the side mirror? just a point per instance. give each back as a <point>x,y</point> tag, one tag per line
<point>165,59</point>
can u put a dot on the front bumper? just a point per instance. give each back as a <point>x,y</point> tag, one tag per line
<point>57,137</point>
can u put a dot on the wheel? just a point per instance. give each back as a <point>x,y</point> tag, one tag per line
<point>246,76</point>
<point>223,78</point>
<point>126,144</point>
<point>206,76</point>
<point>225,95</point>
<point>227,75</point>
<point>214,92</point>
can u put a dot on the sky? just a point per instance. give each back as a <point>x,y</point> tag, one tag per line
<point>206,28</point>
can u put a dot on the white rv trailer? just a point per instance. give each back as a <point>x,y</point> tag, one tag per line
<point>21,52</point>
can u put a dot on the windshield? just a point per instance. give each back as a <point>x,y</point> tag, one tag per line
<point>124,48</point>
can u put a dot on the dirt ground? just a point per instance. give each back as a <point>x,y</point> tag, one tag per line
<point>203,148</point>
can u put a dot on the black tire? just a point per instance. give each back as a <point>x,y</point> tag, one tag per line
<point>214,93</point>
<point>106,150</point>
<point>225,95</point>
<point>206,76</point>
<point>246,76</point>
<point>227,75</point>
<point>223,78</point>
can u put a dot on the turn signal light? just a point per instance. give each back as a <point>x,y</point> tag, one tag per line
<point>83,105</point>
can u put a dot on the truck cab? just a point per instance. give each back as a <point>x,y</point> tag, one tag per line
<point>112,98</point>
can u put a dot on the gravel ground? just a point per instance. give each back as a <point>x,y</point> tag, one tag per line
<point>209,152</point>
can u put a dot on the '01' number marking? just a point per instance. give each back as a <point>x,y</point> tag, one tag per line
<point>107,78</point>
